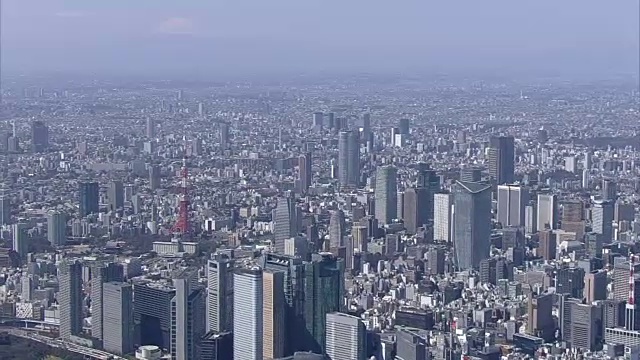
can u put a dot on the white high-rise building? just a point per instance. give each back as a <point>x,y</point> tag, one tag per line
<point>512,200</point>
<point>248,317</point>
<point>346,337</point>
<point>56,228</point>
<point>220,295</point>
<point>442,216</point>
<point>547,211</point>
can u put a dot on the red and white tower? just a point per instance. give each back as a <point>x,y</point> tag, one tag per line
<point>630,312</point>
<point>181,227</point>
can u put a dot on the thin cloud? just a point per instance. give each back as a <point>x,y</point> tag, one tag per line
<point>72,14</point>
<point>176,26</point>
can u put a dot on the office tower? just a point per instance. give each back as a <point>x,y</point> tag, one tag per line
<point>118,318</point>
<point>501,159</point>
<point>602,219</point>
<point>443,216</point>
<point>572,217</point>
<point>547,211</point>
<point>152,312</point>
<point>548,244</point>
<point>595,286</point>
<point>411,345</point>
<point>403,126</point>
<point>293,270</point>
<point>151,128</point>
<point>318,120</point>
<point>70,298</point>
<point>220,295</point>
<point>304,172</point>
<point>570,280</point>
<point>348,159</point>
<point>39,137</point>
<point>366,125</point>
<point>386,193</point>
<point>430,181</point>
<point>530,220</point>
<point>540,322</point>
<point>324,293</point>
<point>337,229</point>
<point>488,271</point>
<point>56,228</point>
<point>570,164</point>
<point>200,109</point>
<point>5,208</point>
<point>587,160</point>
<point>116,195</point>
<point>624,211</point>
<point>20,239</point>
<point>471,174</point>
<point>188,316</point>
<point>154,177</point>
<point>224,136</point>
<point>248,316</point>
<point>436,260</point>
<point>346,337</point>
<point>331,119</point>
<point>585,179</point>
<point>102,273</point>
<point>360,234</point>
<point>586,326</point>
<point>273,305</point>
<point>621,280</point>
<point>416,207</point>
<point>89,196</point>
<point>286,221</point>
<point>609,189</point>
<point>472,223</point>
<point>512,200</point>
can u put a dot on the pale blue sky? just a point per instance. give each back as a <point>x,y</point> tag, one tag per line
<point>210,37</point>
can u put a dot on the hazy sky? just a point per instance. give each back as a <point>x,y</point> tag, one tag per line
<point>212,37</point>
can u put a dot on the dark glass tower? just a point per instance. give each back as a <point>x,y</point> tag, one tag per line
<point>39,137</point>
<point>89,195</point>
<point>472,223</point>
<point>502,159</point>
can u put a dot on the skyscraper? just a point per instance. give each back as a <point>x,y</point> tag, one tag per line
<point>609,189</point>
<point>248,316</point>
<point>411,345</point>
<point>547,214</point>
<point>602,219</point>
<point>154,177</point>
<point>403,126</point>
<point>20,239</point>
<point>188,318</point>
<point>56,228</point>
<point>39,137</point>
<point>386,193</point>
<point>304,172</point>
<point>5,208</point>
<point>273,314</point>
<point>346,337</point>
<point>152,312</point>
<point>348,159</point>
<point>118,318</point>
<point>512,200</point>
<point>224,136</point>
<point>541,321</point>
<point>442,217</point>
<point>286,221</point>
<point>595,286</point>
<point>116,195</point>
<point>151,128</point>
<point>548,244</point>
<point>318,120</point>
<point>471,174</point>
<point>220,295</point>
<point>501,157</point>
<point>472,223</point>
<point>89,198</point>
<point>70,298</point>
<point>101,273</point>
<point>324,292</point>
<point>430,181</point>
<point>416,208</point>
<point>337,229</point>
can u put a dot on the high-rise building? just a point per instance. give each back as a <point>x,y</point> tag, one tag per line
<point>337,229</point>
<point>151,128</point>
<point>248,316</point>
<point>346,337</point>
<point>220,295</point>
<point>548,244</point>
<point>324,292</point>
<point>442,217</point>
<point>595,286</point>
<point>118,318</point>
<point>116,195</point>
<point>304,172</point>
<point>609,189</point>
<point>360,234</point>
<point>89,197</point>
<point>411,345</point>
<point>348,159</point>
<point>472,223</point>
<point>5,208</point>
<point>572,217</point>
<point>285,222</point>
<point>152,313</point>
<point>39,137</point>
<point>70,298</point>
<point>540,322</point>
<point>436,260</point>
<point>56,228</point>
<point>547,214</point>
<point>586,326</point>
<point>471,174</point>
<point>318,120</point>
<point>570,280</point>
<point>188,318</point>
<point>224,136</point>
<point>154,177</point>
<point>386,193</point>
<point>430,181</point>
<point>273,305</point>
<point>602,219</point>
<point>416,208</point>
<point>366,125</point>
<point>404,126</point>
<point>20,239</point>
<point>102,273</point>
<point>501,158</point>
<point>512,200</point>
